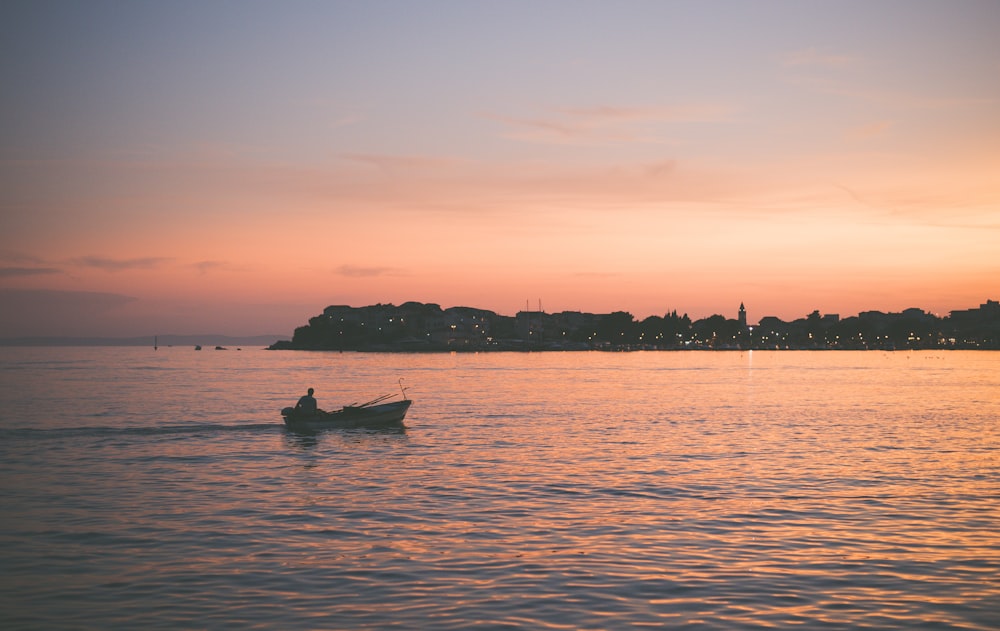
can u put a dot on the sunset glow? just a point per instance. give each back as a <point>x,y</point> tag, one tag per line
<point>236,167</point>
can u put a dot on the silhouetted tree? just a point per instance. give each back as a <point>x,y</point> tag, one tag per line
<point>716,331</point>
<point>618,328</point>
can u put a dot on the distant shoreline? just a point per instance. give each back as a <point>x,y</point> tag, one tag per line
<point>623,349</point>
<point>206,340</point>
<point>263,343</point>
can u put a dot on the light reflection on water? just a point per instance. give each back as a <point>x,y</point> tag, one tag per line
<point>547,490</point>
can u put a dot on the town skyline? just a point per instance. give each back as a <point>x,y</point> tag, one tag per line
<point>416,327</point>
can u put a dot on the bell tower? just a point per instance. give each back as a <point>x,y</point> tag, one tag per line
<point>743,316</point>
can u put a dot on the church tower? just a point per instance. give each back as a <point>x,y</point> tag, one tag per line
<point>743,316</point>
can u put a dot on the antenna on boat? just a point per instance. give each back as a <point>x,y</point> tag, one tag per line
<point>402,389</point>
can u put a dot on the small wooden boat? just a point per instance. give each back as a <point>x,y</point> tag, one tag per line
<point>381,415</point>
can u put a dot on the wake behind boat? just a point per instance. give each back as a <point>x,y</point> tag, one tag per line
<point>379,415</point>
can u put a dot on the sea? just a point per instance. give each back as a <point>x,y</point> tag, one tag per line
<point>158,489</point>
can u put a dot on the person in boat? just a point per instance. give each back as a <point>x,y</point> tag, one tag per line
<point>307,403</point>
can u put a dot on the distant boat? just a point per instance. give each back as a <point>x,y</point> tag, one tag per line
<point>156,345</point>
<point>382,415</point>
<point>197,347</point>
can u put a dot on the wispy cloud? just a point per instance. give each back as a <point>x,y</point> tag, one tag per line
<point>15,272</point>
<point>21,258</point>
<point>538,129</point>
<point>89,298</point>
<point>603,124</point>
<point>825,72</point>
<point>354,271</point>
<point>966,211</point>
<point>120,265</point>
<point>887,97</point>
<point>205,267</point>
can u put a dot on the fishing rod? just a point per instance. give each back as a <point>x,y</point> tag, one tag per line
<point>376,400</point>
<point>383,397</point>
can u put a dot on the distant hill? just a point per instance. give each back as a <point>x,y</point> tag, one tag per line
<point>206,340</point>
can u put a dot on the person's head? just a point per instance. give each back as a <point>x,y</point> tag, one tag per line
<point>310,391</point>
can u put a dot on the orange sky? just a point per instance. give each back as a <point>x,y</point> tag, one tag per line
<point>184,168</point>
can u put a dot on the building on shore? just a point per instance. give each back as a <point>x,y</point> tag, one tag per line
<point>415,326</point>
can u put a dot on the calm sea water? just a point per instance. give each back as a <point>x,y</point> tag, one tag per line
<point>669,490</point>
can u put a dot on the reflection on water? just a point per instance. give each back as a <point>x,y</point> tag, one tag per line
<point>545,490</point>
<point>310,439</point>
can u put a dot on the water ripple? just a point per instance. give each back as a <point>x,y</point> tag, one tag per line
<point>830,491</point>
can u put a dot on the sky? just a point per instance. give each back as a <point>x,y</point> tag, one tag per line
<point>236,166</point>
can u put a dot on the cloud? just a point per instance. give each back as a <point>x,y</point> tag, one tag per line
<point>21,265</point>
<point>817,71</point>
<point>888,97</point>
<point>353,271</point>
<point>538,129</point>
<point>966,212</point>
<point>20,258</point>
<point>56,298</point>
<point>204,267</point>
<point>661,169</point>
<point>120,265</point>
<point>16,272</point>
<point>607,124</point>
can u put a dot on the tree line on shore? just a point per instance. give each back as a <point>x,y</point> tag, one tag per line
<point>415,326</point>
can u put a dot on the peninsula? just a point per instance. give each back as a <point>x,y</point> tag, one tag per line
<point>415,327</point>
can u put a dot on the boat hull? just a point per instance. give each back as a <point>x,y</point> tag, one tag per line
<point>384,415</point>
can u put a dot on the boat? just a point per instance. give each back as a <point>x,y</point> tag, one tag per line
<point>380,415</point>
